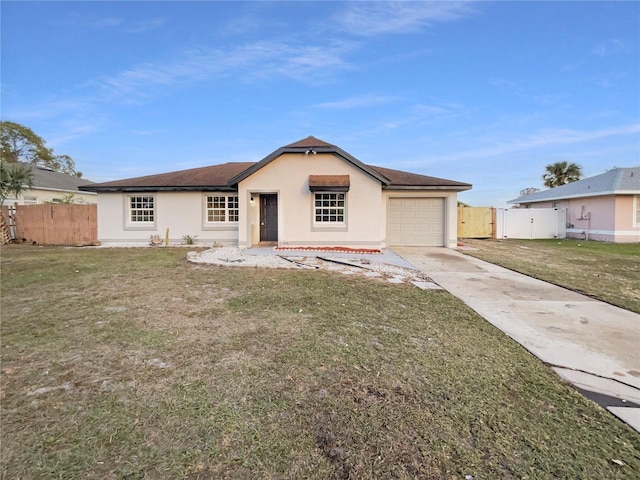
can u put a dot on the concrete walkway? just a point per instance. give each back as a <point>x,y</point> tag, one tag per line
<point>591,344</point>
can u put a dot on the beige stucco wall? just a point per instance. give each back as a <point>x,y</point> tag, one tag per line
<point>288,177</point>
<point>183,213</point>
<point>40,195</point>
<point>450,211</point>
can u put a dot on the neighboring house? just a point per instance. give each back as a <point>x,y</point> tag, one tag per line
<point>53,187</point>
<point>605,207</point>
<point>306,194</point>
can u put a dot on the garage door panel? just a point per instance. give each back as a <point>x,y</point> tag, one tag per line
<point>415,221</point>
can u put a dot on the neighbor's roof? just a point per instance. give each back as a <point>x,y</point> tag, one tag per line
<point>616,181</point>
<point>47,179</point>
<point>227,175</point>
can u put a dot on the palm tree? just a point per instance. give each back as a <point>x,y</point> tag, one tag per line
<point>15,178</point>
<point>561,173</point>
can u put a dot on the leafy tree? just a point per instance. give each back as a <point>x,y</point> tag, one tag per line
<point>20,144</point>
<point>65,200</point>
<point>14,180</point>
<point>561,173</point>
<point>529,191</point>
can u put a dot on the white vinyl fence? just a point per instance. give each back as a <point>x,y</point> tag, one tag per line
<point>531,223</point>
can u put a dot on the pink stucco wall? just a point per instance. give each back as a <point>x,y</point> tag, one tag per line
<point>625,219</point>
<point>608,218</point>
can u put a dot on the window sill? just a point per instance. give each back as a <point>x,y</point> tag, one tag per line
<point>342,227</point>
<point>220,226</point>
<point>150,227</point>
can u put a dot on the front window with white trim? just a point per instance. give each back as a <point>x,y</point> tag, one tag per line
<point>329,207</point>
<point>222,208</point>
<point>142,209</point>
<point>636,211</point>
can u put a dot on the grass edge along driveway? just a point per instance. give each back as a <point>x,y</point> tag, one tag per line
<point>605,271</point>
<point>132,363</point>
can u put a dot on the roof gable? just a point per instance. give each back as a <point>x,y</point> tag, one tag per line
<point>308,146</point>
<point>309,142</point>
<point>615,181</point>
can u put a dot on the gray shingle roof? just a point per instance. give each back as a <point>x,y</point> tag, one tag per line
<point>406,179</point>
<point>227,175</point>
<point>615,181</point>
<point>308,142</point>
<point>214,177</point>
<point>46,178</point>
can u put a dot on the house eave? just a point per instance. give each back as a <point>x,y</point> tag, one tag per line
<point>195,188</point>
<point>64,190</point>
<point>450,188</point>
<point>575,195</point>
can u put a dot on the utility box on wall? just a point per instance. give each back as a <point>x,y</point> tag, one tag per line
<point>530,223</point>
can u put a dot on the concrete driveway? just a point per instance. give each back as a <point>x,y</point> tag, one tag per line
<point>592,344</point>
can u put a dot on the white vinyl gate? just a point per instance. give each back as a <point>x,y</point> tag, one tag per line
<point>530,223</point>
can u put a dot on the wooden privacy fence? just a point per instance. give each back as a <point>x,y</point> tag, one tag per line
<point>53,224</point>
<point>476,222</point>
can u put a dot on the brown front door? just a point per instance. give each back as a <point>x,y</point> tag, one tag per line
<point>269,218</point>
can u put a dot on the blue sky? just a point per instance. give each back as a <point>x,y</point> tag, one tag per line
<point>482,92</point>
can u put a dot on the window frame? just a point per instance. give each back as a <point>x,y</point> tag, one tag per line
<point>339,210</point>
<point>133,224</point>
<point>231,209</point>
<point>636,211</point>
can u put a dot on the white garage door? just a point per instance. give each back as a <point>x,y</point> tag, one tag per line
<point>415,221</point>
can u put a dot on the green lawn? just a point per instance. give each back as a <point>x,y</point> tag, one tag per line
<point>133,363</point>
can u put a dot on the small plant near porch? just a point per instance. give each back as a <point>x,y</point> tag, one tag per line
<point>189,239</point>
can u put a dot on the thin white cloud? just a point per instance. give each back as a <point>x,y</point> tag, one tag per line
<point>385,17</point>
<point>503,83</point>
<point>542,139</point>
<point>115,23</point>
<point>255,61</point>
<point>72,129</point>
<point>106,22</point>
<point>51,109</point>
<point>146,132</point>
<point>363,101</point>
<point>145,26</point>
<point>570,67</point>
<point>306,63</point>
<point>609,79</point>
<point>437,110</point>
<point>611,47</point>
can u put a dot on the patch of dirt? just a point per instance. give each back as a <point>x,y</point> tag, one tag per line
<point>235,257</point>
